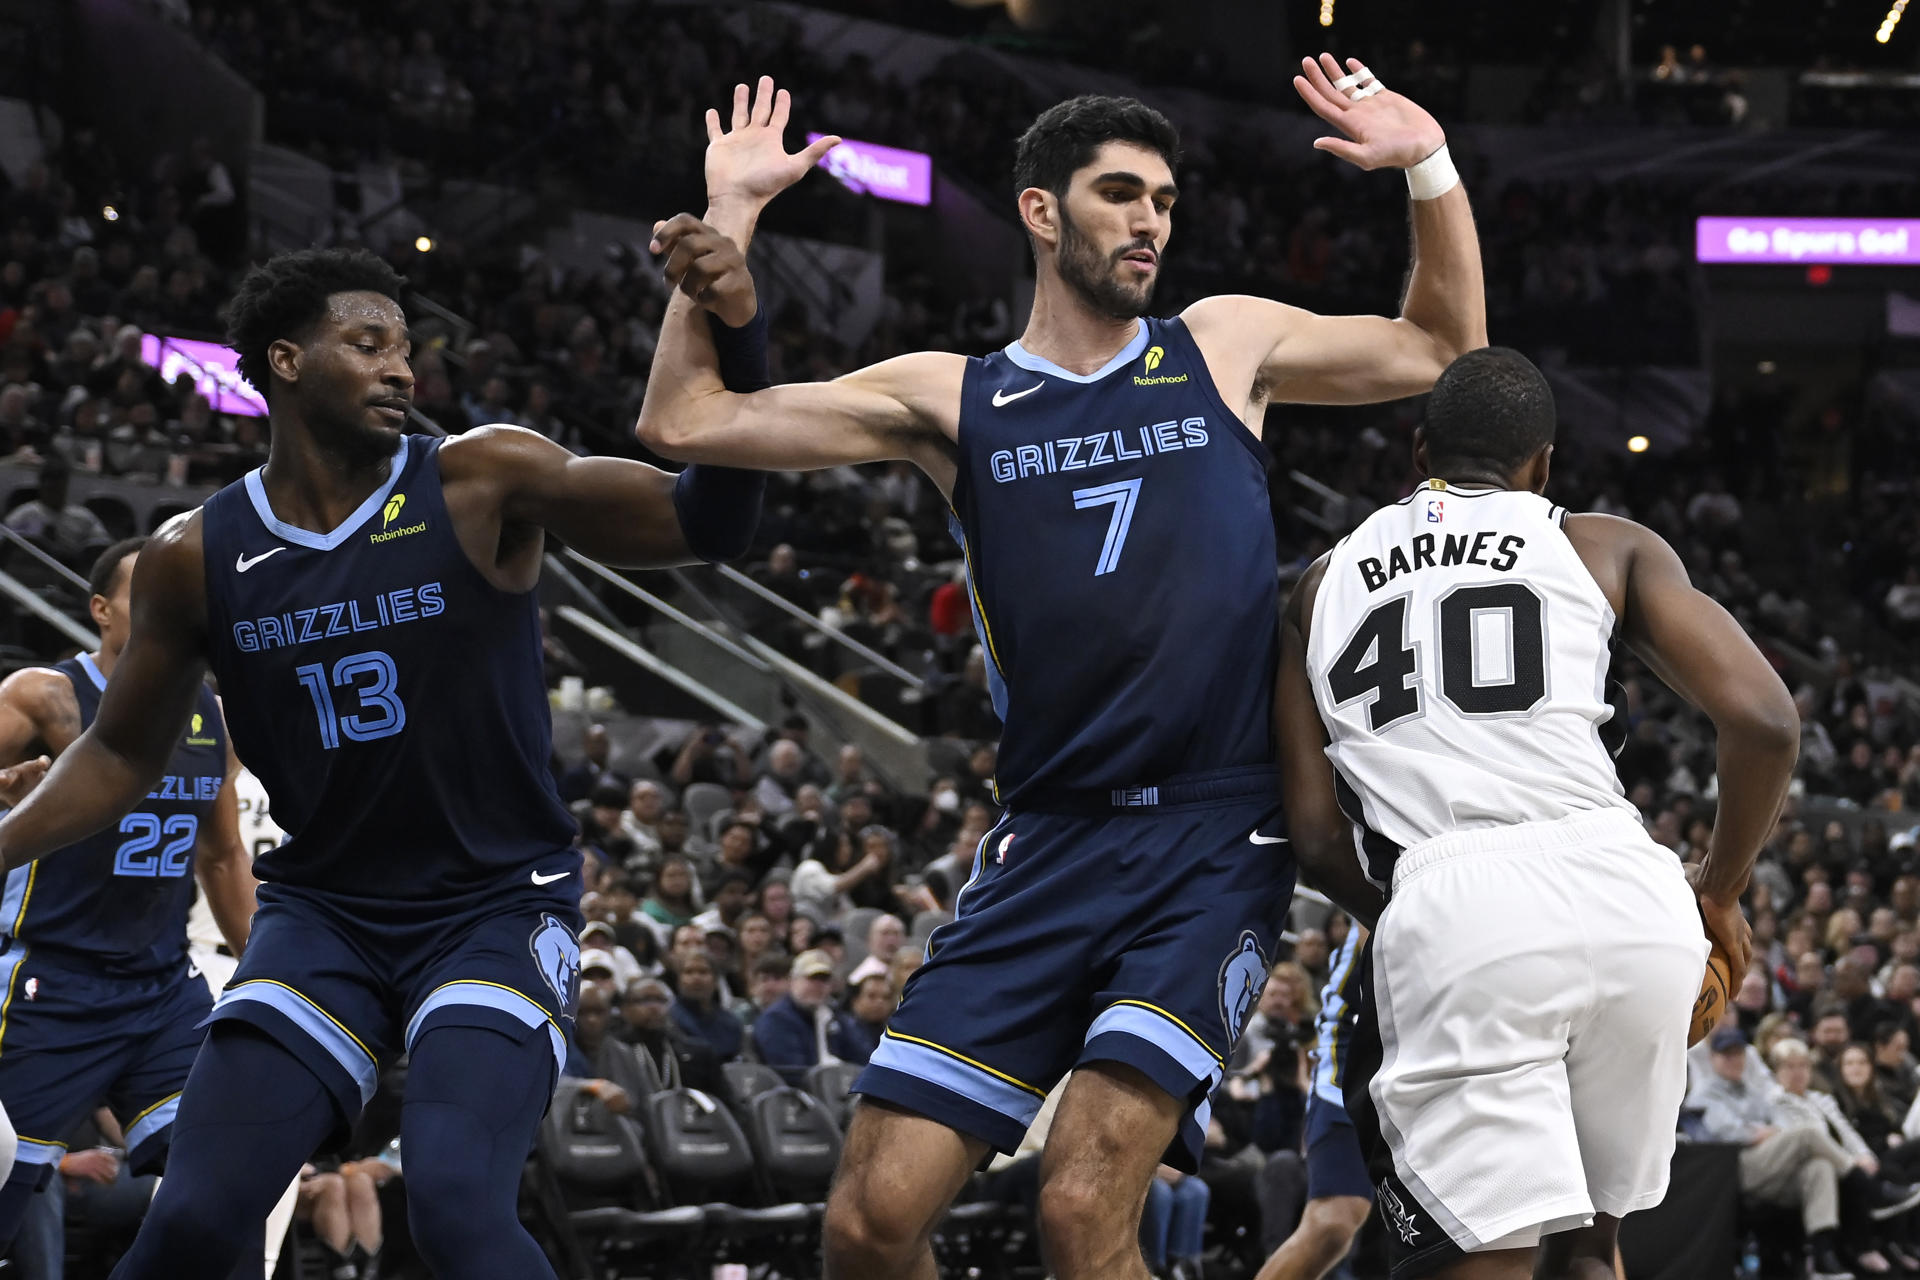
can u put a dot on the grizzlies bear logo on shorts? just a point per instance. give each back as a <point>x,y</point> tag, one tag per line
<point>1242,976</point>
<point>557,953</point>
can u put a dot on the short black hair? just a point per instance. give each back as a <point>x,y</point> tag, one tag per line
<point>1490,410</point>
<point>285,296</point>
<point>106,569</point>
<point>1066,137</point>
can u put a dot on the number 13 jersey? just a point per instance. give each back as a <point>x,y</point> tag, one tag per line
<point>388,696</point>
<point>1459,650</point>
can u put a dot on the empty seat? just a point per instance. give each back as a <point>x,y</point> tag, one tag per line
<point>797,1140</point>
<point>597,1165</point>
<point>830,1082</point>
<point>749,1080</point>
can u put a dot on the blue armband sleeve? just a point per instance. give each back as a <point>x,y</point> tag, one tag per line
<point>719,507</point>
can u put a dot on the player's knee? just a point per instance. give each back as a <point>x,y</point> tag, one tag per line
<point>865,1232</point>
<point>1081,1216</point>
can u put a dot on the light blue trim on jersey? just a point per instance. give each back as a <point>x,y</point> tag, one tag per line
<point>151,1125</point>
<point>15,896</point>
<point>257,491</point>
<point>1327,1026</point>
<point>1040,364</point>
<point>93,672</point>
<point>38,1151</point>
<point>971,1083</point>
<point>321,1027</point>
<point>1170,1039</point>
<point>491,996</point>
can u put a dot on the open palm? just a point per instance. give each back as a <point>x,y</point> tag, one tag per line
<point>748,162</point>
<point>1383,130</point>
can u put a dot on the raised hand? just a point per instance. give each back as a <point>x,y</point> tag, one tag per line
<point>22,778</point>
<point>1383,130</point>
<point>748,163</point>
<point>706,265</point>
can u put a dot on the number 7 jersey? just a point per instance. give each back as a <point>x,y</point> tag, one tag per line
<point>1459,651</point>
<point>390,699</point>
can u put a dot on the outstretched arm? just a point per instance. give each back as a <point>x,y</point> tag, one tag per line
<point>1295,356</point>
<point>155,684</point>
<point>1321,835</point>
<point>892,410</point>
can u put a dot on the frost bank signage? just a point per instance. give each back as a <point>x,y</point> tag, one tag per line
<point>886,172</point>
<point>1869,241</point>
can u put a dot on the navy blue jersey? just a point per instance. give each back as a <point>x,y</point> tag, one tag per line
<point>388,696</point>
<point>117,902</point>
<point>1120,548</point>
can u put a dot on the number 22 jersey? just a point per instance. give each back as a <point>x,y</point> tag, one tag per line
<point>1459,651</point>
<point>390,698</point>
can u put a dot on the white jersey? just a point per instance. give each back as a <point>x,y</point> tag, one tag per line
<point>258,833</point>
<point>1459,650</point>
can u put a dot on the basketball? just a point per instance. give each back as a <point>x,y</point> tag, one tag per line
<point>1716,991</point>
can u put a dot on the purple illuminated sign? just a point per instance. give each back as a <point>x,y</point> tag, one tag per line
<point>1873,241</point>
<point>215,370</point>
<point>886,172</point>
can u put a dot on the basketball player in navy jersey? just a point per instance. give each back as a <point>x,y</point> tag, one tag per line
<point>1109,488</point>
<point>98,1002</point>
<point>367,603</point>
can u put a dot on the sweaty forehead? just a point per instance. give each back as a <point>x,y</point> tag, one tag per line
<point>362,309</point>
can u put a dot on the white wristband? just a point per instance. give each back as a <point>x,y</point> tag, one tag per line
<point>1433,177</point>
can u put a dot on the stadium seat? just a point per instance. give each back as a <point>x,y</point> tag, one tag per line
<point>702,801</point>
<point>597,1169</point>
<point>830,1082</point>
<point>796,1138</point>
<point>749,1080</point>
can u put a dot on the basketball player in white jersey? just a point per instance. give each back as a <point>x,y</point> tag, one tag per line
<point>1442,681</point>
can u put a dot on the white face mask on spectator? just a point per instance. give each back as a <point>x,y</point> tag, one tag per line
<point>947,801</point>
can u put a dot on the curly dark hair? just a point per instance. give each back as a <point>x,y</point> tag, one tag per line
<point>286,296</point>
<point>1066,137</point>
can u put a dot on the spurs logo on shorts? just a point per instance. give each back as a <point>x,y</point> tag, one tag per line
<point>1405,1221</point>
<point>557,953</point>
<point>1242,976</point>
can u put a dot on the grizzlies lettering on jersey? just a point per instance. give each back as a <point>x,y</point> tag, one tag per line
<point>389,697</point>
<point>1120,551</point>
<point>1459,653</point>
<point>116,903</point>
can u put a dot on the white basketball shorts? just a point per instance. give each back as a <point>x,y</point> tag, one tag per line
<point>1534,987</point>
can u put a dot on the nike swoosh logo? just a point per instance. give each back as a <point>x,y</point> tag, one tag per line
<point>1257,838</point>
<point>1001,398</point>
<point>549,879</point>
<point>246,562</point>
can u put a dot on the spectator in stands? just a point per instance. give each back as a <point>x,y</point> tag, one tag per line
<point>706,756</point>
<point>966,708</point>
<point>1829,1041</point>
<point>783,775</point>
<point>906,962</point>
<point>672,902</point>
<point>599,937</point>
<point>1798,1107</point>
<point>801,1029</point>
<point>885,936</point>
<point>1893,1069</point>
<point>595,768</point>
<point>849,773</point>
<point>871,1004</point>
<point>598,972</point>
<point>1799,1167</point>
<point>66,530</point>
<point>775,901</point>
<point>730,895</point>
<point>592,1055</point>
<point>1866,1108</point>
<point>343,1208</point>
<point>1311,953</point>
<point>699,1012</point>
<point>823,889</point>
<point>755,933</point>
<point>645,803</point>
<point>675,1057</point>
<point>738,853</point>
<point>771,978</point>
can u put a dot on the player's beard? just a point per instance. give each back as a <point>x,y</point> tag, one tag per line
<point>357,446</point>
<point>1091,274</point>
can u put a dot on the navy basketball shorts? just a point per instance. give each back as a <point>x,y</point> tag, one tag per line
<point>1335,1164</point>
<point>349,988</point>
<point>72,1039</point>
<point>1140,936</point>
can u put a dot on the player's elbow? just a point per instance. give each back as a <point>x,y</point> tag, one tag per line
<point>1767,722</point>
<point>661,432</point>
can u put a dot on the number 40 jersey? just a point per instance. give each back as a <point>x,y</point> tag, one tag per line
<point>389,697</point>
<point>1459,650</point>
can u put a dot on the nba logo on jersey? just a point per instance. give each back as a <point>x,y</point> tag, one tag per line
<point>1436,510</point>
